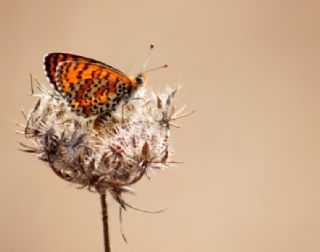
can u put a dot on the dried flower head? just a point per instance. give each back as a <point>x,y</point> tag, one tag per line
<point>107,153</point>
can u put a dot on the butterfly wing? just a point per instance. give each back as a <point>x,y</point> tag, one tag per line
<point>52,60</point>
<point>91,88</point>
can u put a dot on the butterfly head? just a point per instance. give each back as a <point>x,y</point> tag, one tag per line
<point>140,79</point>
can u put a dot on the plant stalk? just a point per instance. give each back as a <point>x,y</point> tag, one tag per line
<point>104,209</point>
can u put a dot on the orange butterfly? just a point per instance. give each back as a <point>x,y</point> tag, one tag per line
<point>89,86</point>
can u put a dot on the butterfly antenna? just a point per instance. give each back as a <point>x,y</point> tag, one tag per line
<point>156,68</point>
<point>148,57</point>
<point>143,71</point>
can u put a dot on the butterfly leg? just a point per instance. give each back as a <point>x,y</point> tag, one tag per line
<point>101,121</point>
<point>146,103</point>
<point>130,107</point>
<point>122,111</point>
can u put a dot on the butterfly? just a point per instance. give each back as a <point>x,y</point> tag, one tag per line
<point>90,87</point>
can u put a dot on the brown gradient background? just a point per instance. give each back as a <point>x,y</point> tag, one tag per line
<point>251,174</point>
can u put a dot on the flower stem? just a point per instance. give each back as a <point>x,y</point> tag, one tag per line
<point>105,222</point>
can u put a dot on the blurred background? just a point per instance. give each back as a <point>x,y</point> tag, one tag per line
<point>251,152</point>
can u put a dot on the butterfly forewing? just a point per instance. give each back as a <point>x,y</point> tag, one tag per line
<point>52,60</point>
<point>91,88</point>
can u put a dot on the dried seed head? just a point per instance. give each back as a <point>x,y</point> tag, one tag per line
<point>107,153</point>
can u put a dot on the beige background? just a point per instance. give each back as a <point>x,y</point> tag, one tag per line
<point>250,69</point>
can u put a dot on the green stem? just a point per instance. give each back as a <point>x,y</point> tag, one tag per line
<point>105,222</point>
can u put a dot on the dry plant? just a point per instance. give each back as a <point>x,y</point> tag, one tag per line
<point>107,154</point>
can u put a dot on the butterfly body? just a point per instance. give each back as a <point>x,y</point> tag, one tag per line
<point>90,87</point>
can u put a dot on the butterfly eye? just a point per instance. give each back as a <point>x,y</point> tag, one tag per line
<point>139,79</point>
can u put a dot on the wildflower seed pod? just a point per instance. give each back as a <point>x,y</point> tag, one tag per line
<point>108,152</point>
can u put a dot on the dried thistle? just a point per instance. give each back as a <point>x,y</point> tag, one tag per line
<point>110,152</point>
